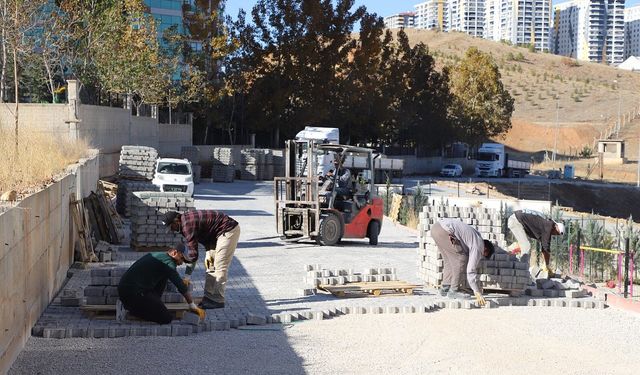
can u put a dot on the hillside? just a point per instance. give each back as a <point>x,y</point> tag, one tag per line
<point>588,97</point>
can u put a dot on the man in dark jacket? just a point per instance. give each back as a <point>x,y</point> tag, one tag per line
<point>219,234</point>
<point>532,224</point>
<point>141,287</point>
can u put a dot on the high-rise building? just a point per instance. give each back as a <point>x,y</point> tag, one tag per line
<point>400,20</point>
<point>590,30</point>
<point>521,22</point>
<point>431,15</point>
<point>632,31</point>
<point>466,16</point>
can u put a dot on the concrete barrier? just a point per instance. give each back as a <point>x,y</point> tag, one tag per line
<point>37,240</point>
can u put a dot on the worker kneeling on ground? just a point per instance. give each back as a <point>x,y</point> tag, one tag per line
<point>219,234</point>
<point>460,245</point>
<point>141,287</point>
<point>532,224</point>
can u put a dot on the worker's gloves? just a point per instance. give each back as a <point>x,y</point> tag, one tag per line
<point>193,307</point>
<point>186,280</point>
<point>208,263</point>
<point>480,299</point>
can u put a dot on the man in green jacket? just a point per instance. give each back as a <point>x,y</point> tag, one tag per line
<point>141,287</point>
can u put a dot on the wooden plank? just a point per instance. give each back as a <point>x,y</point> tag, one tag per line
<point>382,288</point>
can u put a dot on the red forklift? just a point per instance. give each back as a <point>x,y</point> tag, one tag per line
<point>308,207</point>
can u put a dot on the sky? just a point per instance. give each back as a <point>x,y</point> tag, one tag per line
<point>381,7</point>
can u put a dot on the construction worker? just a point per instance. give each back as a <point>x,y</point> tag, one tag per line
<point>461,247</point>
<point>343,180</point>
<point>219,234</point>
<point>525,224</point>
<point>141,287</point>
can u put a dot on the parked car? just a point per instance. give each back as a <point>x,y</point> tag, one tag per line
<point>174,175</point>
<point>451,170</point>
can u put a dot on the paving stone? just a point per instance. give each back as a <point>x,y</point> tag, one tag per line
<point>575,303</point>
<point>550,293</point>
<point>96,300</point>
<point>180,330</point>
<point>162,330</point>
<point>70,301</point>
<point>588,304</point>
<point>93,291</point>
<point>98,332</point>
<point>318,315</point>
<point>391,310</point>
<point>122,331</point>
<point>256,319</point>
<point>454,304</point>
<point>191,318</point>
<point>559,303</point>
<point>54,333</point>
<point>600,305</point>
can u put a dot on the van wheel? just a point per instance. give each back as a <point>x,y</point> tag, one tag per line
<point>373,232</point>
<point>330,230</point>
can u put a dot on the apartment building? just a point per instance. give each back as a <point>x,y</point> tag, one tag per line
<point>520,22</point>
<point>466,16</point>
<point>589,30</point>
<point>632,31</point>
<point>431,15</point>
<point>400,20</point>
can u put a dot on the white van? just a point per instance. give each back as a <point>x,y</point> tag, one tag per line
<point>174,175</point>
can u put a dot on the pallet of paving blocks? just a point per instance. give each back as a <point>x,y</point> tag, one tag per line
<point>148,208</point>
<point>375,289</point>
<point>223,168</point>
<point>137,162</point>
<point>503,272</point>
<point>101,295</point>
<point>347,283</point>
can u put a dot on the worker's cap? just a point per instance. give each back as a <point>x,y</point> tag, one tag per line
<point>181,248</point>
<point>169,217</point>
<point>560,227</point>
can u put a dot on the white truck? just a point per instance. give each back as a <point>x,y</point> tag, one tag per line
<point>493,161</point>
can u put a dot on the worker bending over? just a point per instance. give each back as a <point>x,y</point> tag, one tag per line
<point>219,234</point>
<point>532,224</point>
<point>141,287</point>
<point>461,246</point>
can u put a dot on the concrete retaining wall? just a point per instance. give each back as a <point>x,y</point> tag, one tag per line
<point>37,240</point>
<point>171,138</point>
<point>104,128</point>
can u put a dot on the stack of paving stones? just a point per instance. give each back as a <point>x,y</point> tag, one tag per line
<point>502,272</point>
<point>103,289</point>
<point>249,160</point>
<point>124,196</point>
<point>135,172</point>
<point>224,167</point>
<point>137,162</point>
<point>316,275</point>
<point>192,153</point>
<point>147,209</point>
<point>278,163</point>
<point>265,167</point>
<point>105,251</point>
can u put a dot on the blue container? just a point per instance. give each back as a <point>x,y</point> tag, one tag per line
<point>569,172</point>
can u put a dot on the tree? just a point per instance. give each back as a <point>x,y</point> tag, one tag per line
<point>481,107</point>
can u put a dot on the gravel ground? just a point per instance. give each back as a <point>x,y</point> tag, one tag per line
<point>513,340</point>
<point>507,340</point>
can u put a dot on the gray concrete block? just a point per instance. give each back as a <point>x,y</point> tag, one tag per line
<point>111,291</point>
<point>600,305</point>
<point>119,331</point>
<point>93,291</point>
<point>111,300</point>
<point>70,301</point>
<point>100,272</point>
<point>256,319</point>
<point>559,303</point>
<point>307,292</point>
<point>180,330</point>
<point>114,281</point>
<point>141,331</point>
<point>532,302</point>
<point>551,293</point>
<point>220,325</point>
<point>543,303</point>
<point>76,332</point>
<point>191,318</point>
<point>98,332</point>
<point>96,300</point>
<point>588,304</point>
<point>575,303</point>
<point>163,330</point>
<point>54,333</point>
<point>534,292</point>
<point>318,315</point>
<point>408,309</point>
<point>573,293</point>
<point>375,310</point>
<point>391,309</point>
<point>96,280</point>
<point>454,304</point>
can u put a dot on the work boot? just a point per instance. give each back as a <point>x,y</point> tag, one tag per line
<point>443,290</point>
<point>208,304</point>
<point>525,258</point>
<point>455,294</point>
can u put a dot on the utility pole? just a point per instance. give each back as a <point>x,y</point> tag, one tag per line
<point>555,141</point>
<point>638,183</point>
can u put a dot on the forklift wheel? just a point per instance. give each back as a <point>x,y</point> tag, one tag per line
<point>330,231</point>
<point>372,233</point>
